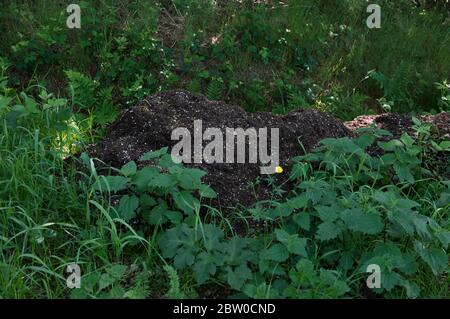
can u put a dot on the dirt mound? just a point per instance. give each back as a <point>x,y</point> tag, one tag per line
<point>149,125</point>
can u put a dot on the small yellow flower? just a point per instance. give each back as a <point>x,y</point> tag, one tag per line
<point>279,170</point>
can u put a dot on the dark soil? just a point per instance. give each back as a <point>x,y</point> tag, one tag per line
<point>148,126</point>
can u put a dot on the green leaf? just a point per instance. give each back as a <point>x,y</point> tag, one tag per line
<point>106,280</point>
<point>165,181</point>
<point>113,183</point>
<point>173,216</point>
<point>293,243</point>
<point>212,236</point>
<point>404,219</point>
<point>237,277</point>
<point>146,201</point>
<point>153,154</point>
<point>327,231</point>
<point>403,172</point>
<point>436,258</point>
<point>443,236</point>
<point>303,220</point>
<point>298,202</point>
<point>185,201</point>
<point>156,215</point>
<point>127,207</point>
<point>327,213</point>
<point>204,267</point>
<point>116,271</point>
<point>129,169</point>
<point>190,178</point>
<point>4,101</point>
<point>445,145</point>
<point>357,220</point>
<point>207,192</point>
<point>277,253</point>
<point>144,177</point>
<point>236,251</point>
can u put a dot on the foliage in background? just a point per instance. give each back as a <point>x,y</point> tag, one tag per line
<point>268,56</point>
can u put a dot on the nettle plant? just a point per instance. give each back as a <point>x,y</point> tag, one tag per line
<point>159,193</point>
<point>346,210</point>
<point>350,209</point>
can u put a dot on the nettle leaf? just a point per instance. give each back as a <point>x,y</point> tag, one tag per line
<point>298,202</point>
<point>165,181</point>
<point>436,258</point>
<point>388,159</point>
<point>293,243</point>
<point>129,169</point>
<point>327,231</point>
<point>179,243</point>
<point>389,256</point>
<point>206,191</point>
<point>204,267</point>
<point>357,220</point>
<point>146,201</point>
<point>443,236</point>
<point>167,161</point>
<point>281,210</point>
<point>156,215</point>
<point>106,280</point>
<point>392,145</point>
<point>421,226</point>
<point>127,207</point>
<point>412,289</point>
<point>403,218</point>
<point>190,178</point>
<point>327,213</point>
<point>237,277</point>
<point>185,201</point>
<point>236,251</point>
<point>315,189</point>
<point>161,214</point>
<point>403,172</point>
<point>116,271</point>
<point>302,220</point>
<point>111,183</point>
<point>113,274</point>
<point>173,216</point>
<point>276,252</point>
<point>212,236</point>
<point>144,177</point>
<point>298,170</point>
<point>365,140</point>
<point>153,154</point>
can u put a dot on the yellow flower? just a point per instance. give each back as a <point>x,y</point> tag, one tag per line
<point>278,170</point>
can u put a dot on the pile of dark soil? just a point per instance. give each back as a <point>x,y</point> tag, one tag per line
<point>148,126</point>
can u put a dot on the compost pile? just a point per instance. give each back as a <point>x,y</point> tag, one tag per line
<point>148,126</point>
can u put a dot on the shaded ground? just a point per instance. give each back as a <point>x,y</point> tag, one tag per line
<point>148,126</point>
